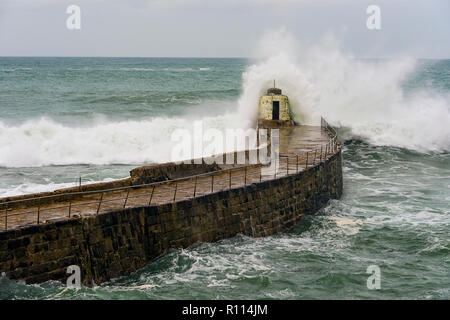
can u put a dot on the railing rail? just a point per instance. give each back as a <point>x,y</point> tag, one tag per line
<point>285,165</point>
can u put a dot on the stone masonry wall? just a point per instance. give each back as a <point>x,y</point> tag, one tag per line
<point>117,243</point>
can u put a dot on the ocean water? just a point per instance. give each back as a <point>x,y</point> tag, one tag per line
<point>97,118</point>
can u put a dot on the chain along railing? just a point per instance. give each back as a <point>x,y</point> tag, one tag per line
<point>164,191</point>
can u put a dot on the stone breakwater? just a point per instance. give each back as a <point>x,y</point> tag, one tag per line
<point>120,241</point>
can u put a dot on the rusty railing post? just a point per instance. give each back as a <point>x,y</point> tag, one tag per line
<point>6,216</point>
<point>245,176</point>
<point>260,174</point>
<point>151,196</point>
<point>70,208</point>
<point>195,186</point>
<point>100,202</point>
<point>230,180</point>
<point>39,210</point>
<point>212,183</point>
<point>321,153</point>
<point>287,165</point>
<point>296,165</point>
<point>175,193</point>
<point>275,169</point>
<point>315,154</point>
<point>126,199</point>
<point>307,155</point>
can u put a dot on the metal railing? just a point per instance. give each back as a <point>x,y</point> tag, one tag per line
<point>171,190</point>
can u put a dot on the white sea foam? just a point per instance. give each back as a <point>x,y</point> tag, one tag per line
<point>346,225</point>
<point>178,69</point>
<point>136,69</point>
<point>43,141</point>
<point>14,69</point>
<point>31,187</point>
<point>364,96</point>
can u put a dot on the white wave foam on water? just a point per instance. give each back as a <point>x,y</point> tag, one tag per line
<point>178,69</point>
<point>346,225</point>
<point>33,188</point>
<point>14,69</point>
<point>44,142</point>
<point>365,96</point>
<point>136,69</point>
<point>30,187</point>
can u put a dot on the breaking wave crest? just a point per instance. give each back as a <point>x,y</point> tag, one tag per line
<point>366,97</point>
<point>40,142</point>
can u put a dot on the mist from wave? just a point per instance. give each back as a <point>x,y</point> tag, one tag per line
<point>44,142</point>
<point>375,100</point>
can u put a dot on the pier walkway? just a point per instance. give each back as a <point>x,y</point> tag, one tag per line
<point>301,147</point>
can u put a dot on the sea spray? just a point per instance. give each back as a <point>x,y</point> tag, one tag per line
<point>367,97</point>
<point>277,61</point>
<point>42,142</point>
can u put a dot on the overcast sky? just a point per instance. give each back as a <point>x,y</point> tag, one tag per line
<point>220,28</point>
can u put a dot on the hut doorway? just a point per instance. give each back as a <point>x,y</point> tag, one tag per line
<point>276,110</point>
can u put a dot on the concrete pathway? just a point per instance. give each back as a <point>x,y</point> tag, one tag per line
<point>295,143</point>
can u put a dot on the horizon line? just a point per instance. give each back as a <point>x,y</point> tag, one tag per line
<point>197,57</point>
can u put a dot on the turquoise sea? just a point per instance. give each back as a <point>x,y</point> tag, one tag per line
<point>97,118</point>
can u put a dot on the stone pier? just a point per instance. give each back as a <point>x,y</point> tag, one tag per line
<point>117,239</point>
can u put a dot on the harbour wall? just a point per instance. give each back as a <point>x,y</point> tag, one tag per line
<point>118,243</point>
